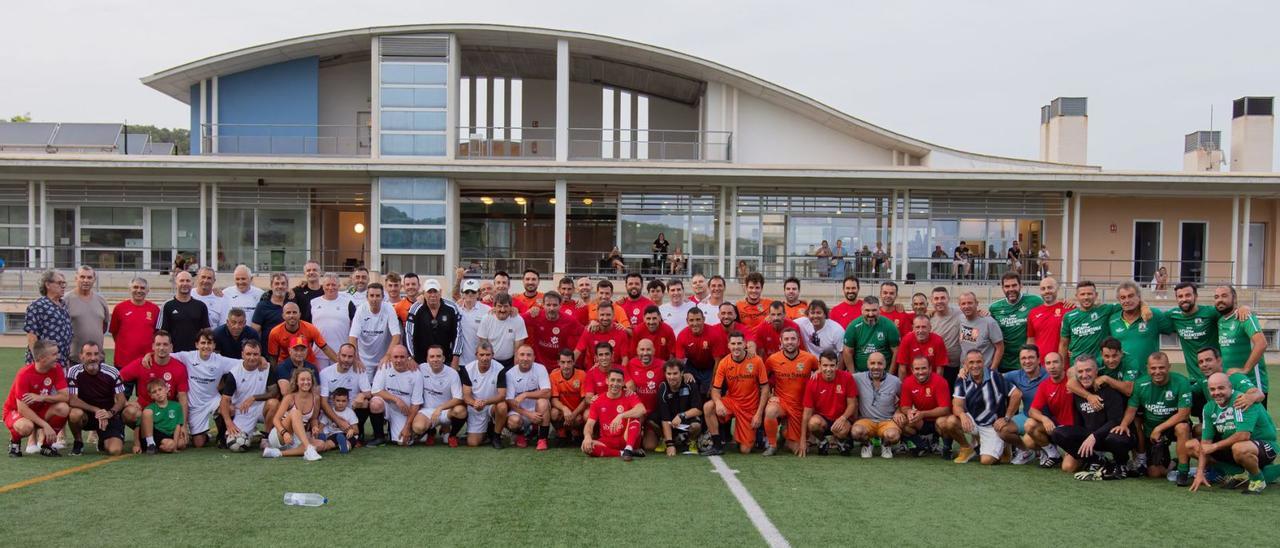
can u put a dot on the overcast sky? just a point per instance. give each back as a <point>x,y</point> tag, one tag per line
<point>968,75</point>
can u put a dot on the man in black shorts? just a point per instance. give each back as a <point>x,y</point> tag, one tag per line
<point>97,397</point>
<point>679,408</point>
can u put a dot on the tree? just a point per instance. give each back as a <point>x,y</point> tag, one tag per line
<point>20,118</point>
<point>180,137</point>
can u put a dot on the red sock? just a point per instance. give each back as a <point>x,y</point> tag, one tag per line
<point>601,450</point>
<point>632,434</point>
<point>770,431</point>
<point>14,436</point>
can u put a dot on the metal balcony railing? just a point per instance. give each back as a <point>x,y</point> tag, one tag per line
<point>285,140</point>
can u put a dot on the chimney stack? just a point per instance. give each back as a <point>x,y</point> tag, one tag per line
<point>1252,133</point>
<point>1064,131</point>
<point>1203,151</point>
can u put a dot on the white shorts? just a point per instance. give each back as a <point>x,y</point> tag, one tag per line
<point>396,421</point>
<point>443,417</point>
<point>273,440</point>
<point>198,422</point>
<point>248,420</point>
<point>478,421</point>
<point>989,442</point>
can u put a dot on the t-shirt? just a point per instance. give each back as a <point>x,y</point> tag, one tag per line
<point>373,332</point>
<point>1159,402</point>
<point>877,403</point>
<point>619,315</point>
<point>788,376</point>
<point>247,301</point>
<point>616,338</point>
<point>948,327</point>
<point>633,309</point>
<point>830,399</point>
<point>596,381</point>
<point>674,401</point>
<point>173,373</point>
<point>439,387</point>
<point>484,384</point>
<point>1044,326</point>
<point>866,338</point>
<point>267,316</point>
<point>241,385</point>
<point>1234,338</point>
<point>568,390</point>
<point>49,320</point>
<point>406,385</point>
<point>933,394</point>
<point>703,350</point>
<point>845,312</point>
<point>1025,384</point>
<point>167,418</point>
<point>795,311</point>
<point>184,321</point>
<point>1012,319</point>
<point>1196,331</point>
<point>502,334</point>
<point>98,390</point>
<point>768,339</point>
<point>1123,372</point>
<point>604,409</point>
<point>751,314</point>
<point>88,319</point>
<point>739,382</point>
<point>932,348</point>
<point>303,295</point>
<point>203,375</point>
<point>333,319</point>
<point>524,302</point>
<point>829,337</point>
<point>549,337</point>
<point>1140,338</point>
<point>468,327</point>
<point>1053,399</point>
<point>1087,329</point>
<point>677,316</point>
<point>664,341</point>
<point>133,327</point>
<point>900,320</point>
<point>984,401</point>
<point>1221,422</point>
<point>30,381</point>
<point>332,379</point>
<point>216,305</point>
<point>646,379</point>
<point>281,339</point>
<point>330,427</point>
<point>981,334</point>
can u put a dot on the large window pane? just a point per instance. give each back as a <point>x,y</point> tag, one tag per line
<point>422,265</point>
<point>397,73</point>
<point>412,214</point>
<point>412,145</point>
<point>110,237</point>
<point>111,216</point>
<point>414,97</point>
<point>639,231</point>
<point>189,230</point>
<point>748,235</point>
<point>413,238</point>
<point>282,239</point>
<point>404,120</point>
<point>704,235</point>
<point>399,188</point>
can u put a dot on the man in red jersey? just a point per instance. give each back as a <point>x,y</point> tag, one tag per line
<point>1053,406</point>
<point>582,300</point>
<point>568,308</point>
<point>830,402</point>
<point>597,379</point>
<point>789,369</point>
<point>634,303</point>
<point>739,392</point>
<point>753,308</point>
<point>921,342</point>
<point>133,322</point>
<point>766,338</point>
<point>618,415</point>
<point>37,400</point>
<point>550,331</point>
<point>924,398</point>
<point>699,348</point>
<point>889,309</point>
<point>1044,322</point>
<point>654,330</point>
<point>610,333</point>
<point>643,375</point>
<point>164,367</point>
<point>850,308</point>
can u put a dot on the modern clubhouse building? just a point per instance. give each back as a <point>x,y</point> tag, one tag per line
<point>429,147</point>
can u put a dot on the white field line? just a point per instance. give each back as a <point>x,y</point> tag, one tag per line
<point>767,530</point>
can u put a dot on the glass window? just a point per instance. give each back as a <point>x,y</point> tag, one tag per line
<point>189,230</point>
<point>413,238</point>
<point>111,216</point>
<point>639,231</point>
<point>423,265</point>
<point>13,215</point>
<point>400,188</point>
<point>413,214</point>
<point>704,235</point>
<point>282,228</point>
<point>405,120</point>
<point>414,97</point>
<point>13,237</point>
<point>111,237</point>
<point>416,73</point>
<point>412,145</point>
<point>748,235</point>
<point>235,237</point>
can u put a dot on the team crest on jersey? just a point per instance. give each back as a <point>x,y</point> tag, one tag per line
<point>1199,321</point>
<point>167,376</point>
<point>705,345</point>
<point>612,343</point>
<point>171,413</point>
<point>1168,394</point>
<point>1057,312</point>
<point>555,330</point>
<point>149,318</point>
<point>619,408</point>
<point>1093,316</point>
<point>799,367</point>
<point>929,351</point>
<point>750,367</point>
<point>649,374</point>
<point>879,336</point>
<point>1142,327</point>
<point>577,384</point>
<point>662,341</point>
<point>928,392</point>
<point>48,381</point>
<point>839,389</point>
<point>760,307</point>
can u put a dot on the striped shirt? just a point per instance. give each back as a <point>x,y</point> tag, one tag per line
<point>97,390</point>
<point>987,401</point>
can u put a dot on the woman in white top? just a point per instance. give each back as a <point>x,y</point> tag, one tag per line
<point>296,424</point>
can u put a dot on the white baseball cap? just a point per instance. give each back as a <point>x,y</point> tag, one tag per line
<point>470,284</point>
<point>432,285</point>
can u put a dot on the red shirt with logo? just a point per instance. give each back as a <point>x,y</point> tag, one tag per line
<point>664,341</point>
<point>701,351</point>
<point>829,398</point>
<point>933,348</point>
<point>931,395</point>
<point>1054,400</point>
<point>646,379</point>
<point>549,337</point>
<point>616,338</point>
<point>174,375</point>
<point>844,313</point>
<point>30,381</point>
<point>1044,326</point>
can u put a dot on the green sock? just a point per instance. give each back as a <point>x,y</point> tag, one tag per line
<point>1256,477</point>
<point>1184,467</point>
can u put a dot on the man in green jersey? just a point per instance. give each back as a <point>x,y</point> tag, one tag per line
<point>1246,438</point>
<point>867,335</point>
<point>1084,328</point>
<point>1197,329</point>
<point>1209,361</point>
<point>1138,333</point>
<point>1241,341</point>
<point>1011,315</point>
<point>1165,400</point>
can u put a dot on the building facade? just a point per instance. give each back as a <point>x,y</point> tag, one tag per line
<point>427,148</point>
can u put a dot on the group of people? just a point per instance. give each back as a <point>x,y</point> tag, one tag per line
<point>1078,385</point>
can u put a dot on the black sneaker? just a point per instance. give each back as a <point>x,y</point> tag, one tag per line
<point>77,448</point>
<point>377,441</point>
<point>1183,478</point>
<point>638,453</point>
<point>49,451</point>
<point>15,450</point>
<point>1113,471</point>
<point>151,449</point>
<point>712,451</point>
<point>496,441</point>
<point>627,454</point>
<point>824,447</point>
<point>846,448</point>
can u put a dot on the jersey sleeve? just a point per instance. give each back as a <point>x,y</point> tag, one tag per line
<point>227,385</point>
<point>1184,396</point>
<point>592,414</point>
<point>502,381</point>
<point>455,387</point>
<point>717,380</point>
<point>1206,421</point>
<point>463,377</point>
<point>1248,420</point>
<point>317,337</point>
<point>1065,330</point>
<point>180,380</point>
<point>811,394</point>
<point>902,355</point>
<point>762,375</point>
<point>544,380</point>
<point>393,325</point>
<point>891,335</point>
<point>940,354</point>
<point>324,382</point>
<point>941,397</point>
<point>1251,326</point>
<point>521,332</point>
<point>678,352</point>
<point>417,390</point>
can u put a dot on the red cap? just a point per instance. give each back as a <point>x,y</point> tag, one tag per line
<point>299,341</point>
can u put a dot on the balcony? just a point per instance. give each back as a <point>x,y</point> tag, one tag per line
<point>285,140</point>
<point>596,144</point>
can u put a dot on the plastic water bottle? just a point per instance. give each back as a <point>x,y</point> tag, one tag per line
<point>304,499</point>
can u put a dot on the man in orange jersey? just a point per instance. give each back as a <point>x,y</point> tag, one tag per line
<point>568,407</point>
<point>791,299</point>
<point>788,369</point>
<point>739,392</point>
<point>753,308</point>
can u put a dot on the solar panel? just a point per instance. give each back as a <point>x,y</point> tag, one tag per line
<point>87,135</point>
<point>26,134</point>
<point>137,144</point>
<point>159,149</point>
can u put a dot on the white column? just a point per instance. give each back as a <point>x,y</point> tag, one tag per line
<point>906,232</point>
<point>1244,246</point>
<point>31,224</point>
<point>893,224</point>
<point>1075,240</point>
<point>732,269</point>
<point>722,234</point>
<point>47,233</point>
<point>375,125</point>
<point>453,240</point>
<point>562,100</point>
<point>204,217</point>
<point>213,224</point>
<point>451,100</point>
<point>1061,252</point>
<point>204,117</point>
<point>1235,239</point>
<point>213,120</point>
<point>374,230</point>
<point>561,227</point>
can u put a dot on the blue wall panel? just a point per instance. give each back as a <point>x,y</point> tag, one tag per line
<point>284,99</point>
<point>195,119</point>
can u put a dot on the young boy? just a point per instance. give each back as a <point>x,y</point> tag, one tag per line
<point>163,419</point>
<point>338,434</point>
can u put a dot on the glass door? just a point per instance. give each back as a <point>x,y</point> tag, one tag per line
<point>161,233</point>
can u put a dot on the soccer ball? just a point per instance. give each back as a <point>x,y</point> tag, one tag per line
<point>239,443</point>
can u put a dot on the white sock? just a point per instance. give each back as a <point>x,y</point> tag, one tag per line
<point>1052,451</point>
<point>151,440</point>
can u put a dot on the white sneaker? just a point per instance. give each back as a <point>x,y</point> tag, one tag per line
<point>867,450</point>
<point>32,449</point>
<point>311,454</point>
<point>1052,451</point>
<point>1022,456</point>
<point>271,453</point>
<point>60,444</point>
<point>886,452</point>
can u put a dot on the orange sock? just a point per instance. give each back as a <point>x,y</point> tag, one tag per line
<point>770,432</point>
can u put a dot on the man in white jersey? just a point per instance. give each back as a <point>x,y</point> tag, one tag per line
<point>676,310</point>
<point>331,314</point>
<point>243,294</point>
<point>484,391</point>
<point>818,332</point>
<point>472,312</point>
<point>710,306</point>
<point>247,392</point>
<point>204,370</point>
<point>441,399</point>
<point>213,300</point>
<point>343,375</point>
<point>375,330</point>
<point>397,392</point>
<point>528,399</point>
<point>504,329</point>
